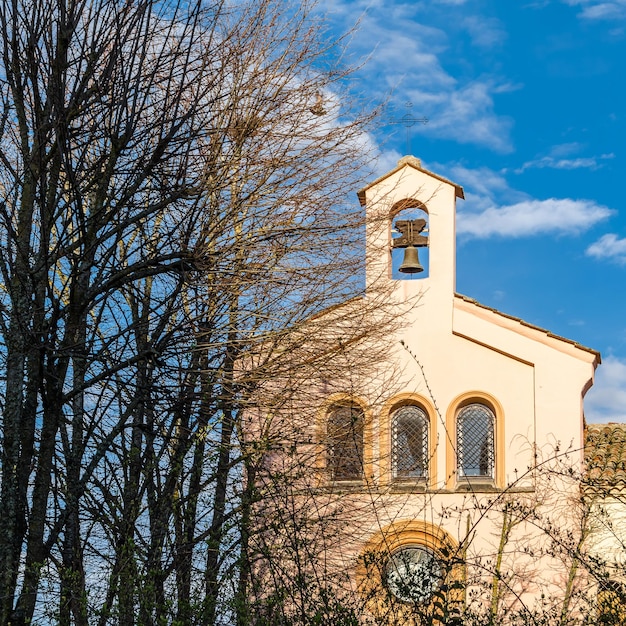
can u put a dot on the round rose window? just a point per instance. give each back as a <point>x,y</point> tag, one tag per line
<point>413,574</point>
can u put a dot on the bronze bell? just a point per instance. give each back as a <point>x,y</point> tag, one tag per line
<point>411,263</point>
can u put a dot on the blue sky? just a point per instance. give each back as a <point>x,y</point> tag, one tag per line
<point>526,103</point>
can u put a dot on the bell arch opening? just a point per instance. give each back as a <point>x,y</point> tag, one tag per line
<point>408,250</point>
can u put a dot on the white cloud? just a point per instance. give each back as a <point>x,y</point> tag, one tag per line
<point>485,32</point>
<point>386,160</point>
<point>494,209</point>
<point>604,11</point>
<point>482,186</point>
<point>609,246</point>
<point>424,69</point>
<point>606,400</point>
<point>600,9</point>
<point>566,149</point>
<point>404,54</point>
<point>465,114</point>
<point>560,158</point>
<point>498,295</point>
<point>533,217</point>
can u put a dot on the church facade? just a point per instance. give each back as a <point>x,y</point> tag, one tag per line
<point>454,482</point>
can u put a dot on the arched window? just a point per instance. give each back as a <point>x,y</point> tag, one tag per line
<point>409,442</point>
<point>475,425</point>
<point>345,442</point>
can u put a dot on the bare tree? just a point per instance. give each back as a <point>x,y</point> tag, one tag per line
<point>173,204</point>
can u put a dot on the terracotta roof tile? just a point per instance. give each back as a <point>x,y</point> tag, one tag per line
<point>605,456</point>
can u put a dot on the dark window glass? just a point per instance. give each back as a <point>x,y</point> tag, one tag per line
<point>474,440</point>
<point>345,438</point>
<point>409,443</point>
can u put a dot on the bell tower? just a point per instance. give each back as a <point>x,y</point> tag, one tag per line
<point>411,214</point>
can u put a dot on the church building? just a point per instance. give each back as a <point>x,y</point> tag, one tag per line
<point>459,481</point>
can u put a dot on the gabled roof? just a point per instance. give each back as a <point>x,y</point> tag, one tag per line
<point>415,163</point>
<point>605,457</point>
<point>521,322</point>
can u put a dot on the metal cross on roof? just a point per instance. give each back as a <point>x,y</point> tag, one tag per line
<point>408,120</point>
